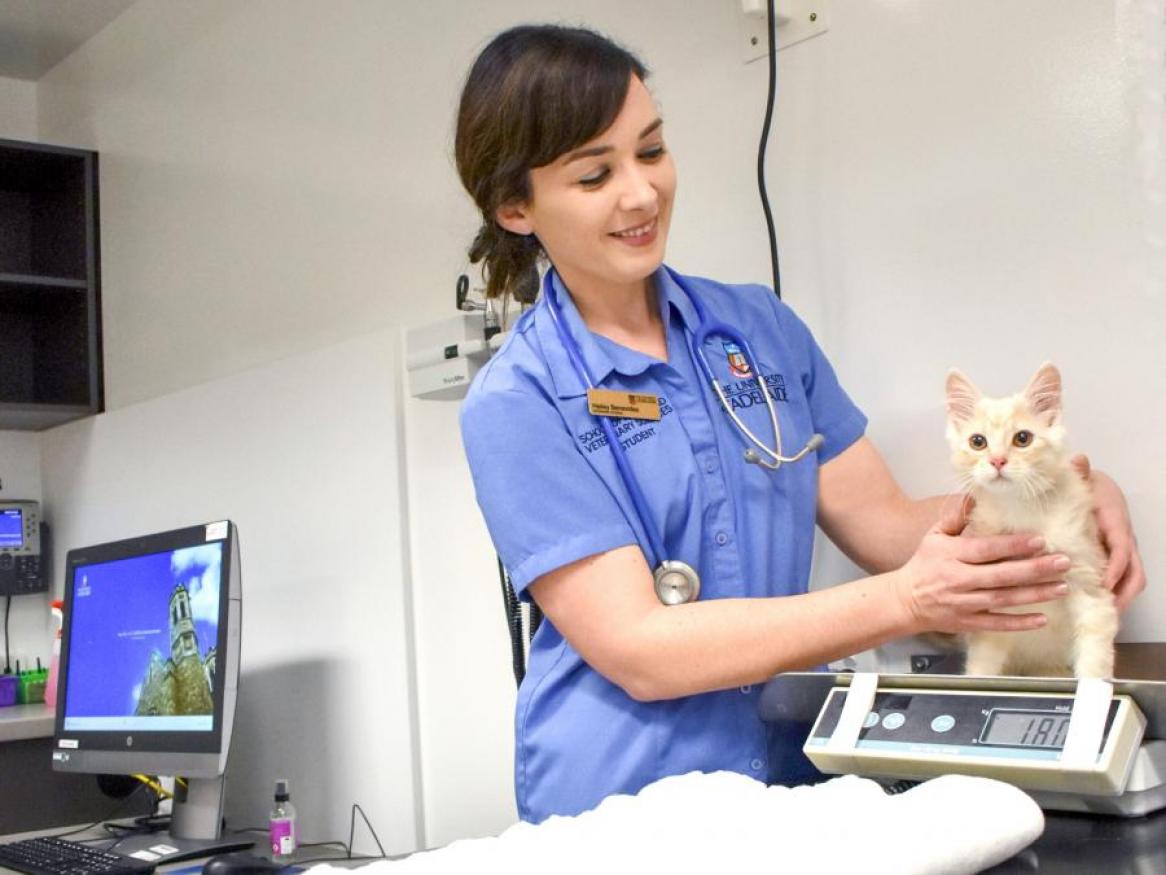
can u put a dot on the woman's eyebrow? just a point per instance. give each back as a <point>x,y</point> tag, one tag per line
<point>602,150</point>
<point>651,127</point>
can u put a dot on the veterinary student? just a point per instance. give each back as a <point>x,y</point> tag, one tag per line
<point>601,519</point>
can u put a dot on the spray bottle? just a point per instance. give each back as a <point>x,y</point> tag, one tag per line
<point>283,823</point>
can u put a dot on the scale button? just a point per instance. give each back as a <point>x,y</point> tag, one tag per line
<point>872,718</point>
<point>943,723</point>
<point>894,720</point>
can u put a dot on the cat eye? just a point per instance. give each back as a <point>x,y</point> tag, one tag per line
<point>1022,439</point>
<point>978,442</point>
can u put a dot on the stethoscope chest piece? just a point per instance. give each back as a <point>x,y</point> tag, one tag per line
<point>676,582</point>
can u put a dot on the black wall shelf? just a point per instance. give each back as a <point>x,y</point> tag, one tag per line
<point>50,286</point>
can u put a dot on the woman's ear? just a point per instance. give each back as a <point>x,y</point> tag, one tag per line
<point>514,218</point>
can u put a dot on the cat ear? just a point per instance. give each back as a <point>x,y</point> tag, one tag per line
<point>962,396</point>
<point>1043,393</point>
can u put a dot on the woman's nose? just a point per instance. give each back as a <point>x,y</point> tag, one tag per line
<point>638,193</point>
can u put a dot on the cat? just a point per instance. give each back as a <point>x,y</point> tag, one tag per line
<point>1011,457</point>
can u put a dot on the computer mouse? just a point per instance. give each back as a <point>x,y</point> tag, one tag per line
<point>241,863</point>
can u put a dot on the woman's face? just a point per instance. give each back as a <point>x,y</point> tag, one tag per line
<point>601,211</point>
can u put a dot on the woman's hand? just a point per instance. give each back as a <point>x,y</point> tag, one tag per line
<point>957,583</point>
<point>1124,573</point>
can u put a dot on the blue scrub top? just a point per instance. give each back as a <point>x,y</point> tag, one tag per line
<point>550,493</point>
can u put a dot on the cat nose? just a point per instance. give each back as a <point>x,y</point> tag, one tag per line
<point>999,462</point>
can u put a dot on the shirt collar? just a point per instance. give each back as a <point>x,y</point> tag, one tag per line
<point>602,356</point>
<point>672,292</point>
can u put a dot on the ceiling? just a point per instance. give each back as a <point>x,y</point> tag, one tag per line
<point>36,35</point>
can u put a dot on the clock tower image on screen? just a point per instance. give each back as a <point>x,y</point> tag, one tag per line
<point>184,683</point>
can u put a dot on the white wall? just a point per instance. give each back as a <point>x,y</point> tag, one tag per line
<point>971,199</point>
<point>17,109</point>
<point>950,188</point>
<point>311,477</point>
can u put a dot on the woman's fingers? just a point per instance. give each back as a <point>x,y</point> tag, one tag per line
<point>1014,596</point>
<point>989,622</point>
<point>1081,465</point>
<point>993,548</point>
<point>1132,582</point>
<point>955,513</point>
<point>1120,553</point>
<point>1021,572</point>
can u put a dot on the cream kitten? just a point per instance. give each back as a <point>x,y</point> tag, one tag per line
<point>1011,457</point>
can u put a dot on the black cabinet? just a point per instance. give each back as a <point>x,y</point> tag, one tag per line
<point>50,289</point>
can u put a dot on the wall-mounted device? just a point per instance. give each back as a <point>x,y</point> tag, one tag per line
<point>443,357</point>
<point>23,541</point>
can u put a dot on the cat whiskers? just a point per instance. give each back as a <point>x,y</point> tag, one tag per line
<point>962,483</point>
<point>1037,488</point>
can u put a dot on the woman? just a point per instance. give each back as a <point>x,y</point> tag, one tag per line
<point>562,148</point>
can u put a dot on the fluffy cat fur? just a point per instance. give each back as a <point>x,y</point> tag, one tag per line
<point>1010,455</point>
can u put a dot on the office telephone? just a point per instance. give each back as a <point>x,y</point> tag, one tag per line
<point>23,537</point>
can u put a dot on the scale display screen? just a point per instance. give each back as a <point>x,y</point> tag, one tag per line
<point>1036,729</point>
<point>987,724</point>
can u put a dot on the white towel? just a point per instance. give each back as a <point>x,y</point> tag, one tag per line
<point>702,823</point>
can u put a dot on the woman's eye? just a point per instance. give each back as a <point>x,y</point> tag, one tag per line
<point>977,442</point>
<point>595,178</point>
<point>653,153</point>
<point>1022,439</point>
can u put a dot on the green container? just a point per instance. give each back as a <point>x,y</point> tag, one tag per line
<point>31,688</point>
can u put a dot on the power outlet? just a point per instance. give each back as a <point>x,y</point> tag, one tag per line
<point>794,20</point>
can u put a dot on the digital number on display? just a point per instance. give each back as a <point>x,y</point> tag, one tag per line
<point>1035,729</point>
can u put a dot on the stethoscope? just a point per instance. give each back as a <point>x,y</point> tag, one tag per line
<point>677,582</point>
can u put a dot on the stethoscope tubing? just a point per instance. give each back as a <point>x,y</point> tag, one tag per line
<point>665,570</point>
<point>655,542</point>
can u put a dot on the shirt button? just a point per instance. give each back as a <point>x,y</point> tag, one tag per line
<point>747,689</point>
<point>710,466</point>
<point>756,765</point>
<point>721,539</point>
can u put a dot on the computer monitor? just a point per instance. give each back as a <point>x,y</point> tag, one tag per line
<point>149,673</point>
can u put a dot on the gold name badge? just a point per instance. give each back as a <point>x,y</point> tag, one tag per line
<point>606,402</point>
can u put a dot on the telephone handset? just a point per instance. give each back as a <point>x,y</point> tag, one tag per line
<point>22,538</point>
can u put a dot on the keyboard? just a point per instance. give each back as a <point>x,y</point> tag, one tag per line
<point>48,856</point>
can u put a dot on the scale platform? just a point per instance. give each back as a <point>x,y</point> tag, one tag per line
<point>1096,747</point>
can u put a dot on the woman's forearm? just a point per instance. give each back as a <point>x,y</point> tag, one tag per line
<point>723,643</point>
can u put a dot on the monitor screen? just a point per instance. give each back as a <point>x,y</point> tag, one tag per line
<point>11,528</point>
<point>149,672</point>
<point>143,642</point>
<point>149,663</point>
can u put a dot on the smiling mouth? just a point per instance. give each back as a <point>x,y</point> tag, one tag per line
<point>639,231</point>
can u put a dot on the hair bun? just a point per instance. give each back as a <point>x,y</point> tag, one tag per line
<point>508,259</point>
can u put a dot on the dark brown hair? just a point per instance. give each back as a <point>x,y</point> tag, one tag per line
<point>534,93</point>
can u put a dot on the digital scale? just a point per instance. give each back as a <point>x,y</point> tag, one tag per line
<point>1090,746</point>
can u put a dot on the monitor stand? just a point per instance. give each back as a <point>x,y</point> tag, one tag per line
<point>195,827</point>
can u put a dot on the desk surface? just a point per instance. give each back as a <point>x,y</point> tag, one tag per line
<point>1092,845</point>
<point>304,857</point>
<point>20,722</point>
